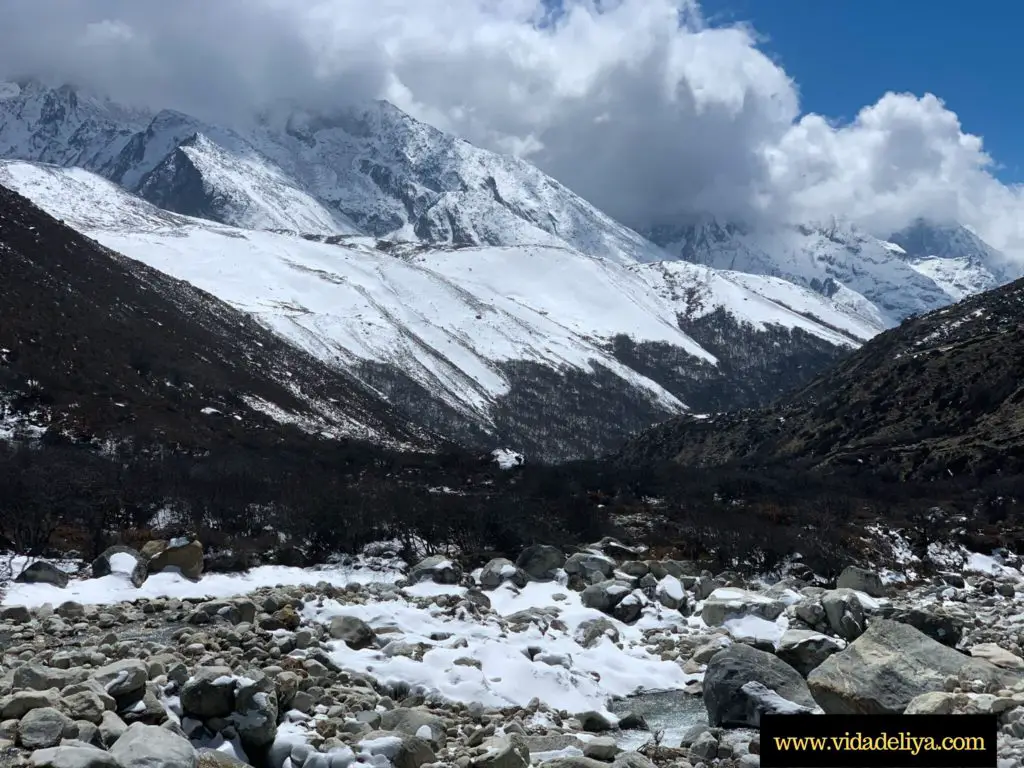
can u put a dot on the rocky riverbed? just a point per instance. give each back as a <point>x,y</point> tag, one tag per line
<point>512,665</point>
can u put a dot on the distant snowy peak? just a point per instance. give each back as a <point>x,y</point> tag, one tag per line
<point>917,270</point>
<point>954,257</point>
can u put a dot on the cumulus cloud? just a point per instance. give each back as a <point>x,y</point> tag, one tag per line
<point>638,105</point>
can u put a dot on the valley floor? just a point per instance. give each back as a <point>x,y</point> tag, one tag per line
<point>533,662</point>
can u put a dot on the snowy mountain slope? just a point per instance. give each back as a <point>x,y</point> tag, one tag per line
<point>821,258</point>
<point>95,345</point>
<point>371,168</point>
<point>451,320</point>
<point>200,178</point>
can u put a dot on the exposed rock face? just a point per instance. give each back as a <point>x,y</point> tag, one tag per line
<point>887,666</point>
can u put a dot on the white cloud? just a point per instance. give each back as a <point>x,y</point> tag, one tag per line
<point>653,120</point>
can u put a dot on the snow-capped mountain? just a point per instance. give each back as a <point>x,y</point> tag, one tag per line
<point>954,257</point>
<point>372,167</point>
<point>474,340</point>
<point>922,268</point>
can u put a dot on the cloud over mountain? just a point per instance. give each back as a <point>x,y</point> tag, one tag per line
<point>638,105</point>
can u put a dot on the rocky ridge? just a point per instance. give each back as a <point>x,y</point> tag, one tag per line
<point>208,682</point>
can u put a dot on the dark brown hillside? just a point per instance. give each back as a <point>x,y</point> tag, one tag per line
<point>940,396</point>
<point>107,346</point>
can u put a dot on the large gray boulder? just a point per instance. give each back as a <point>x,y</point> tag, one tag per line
<point>605,595</point>
<point>177,555</point>
<point>412,722</point>
<point>150,746</point>
<point>862,580</point>
<point>540,562</point>
<point>805,650</point>
<point>938,622</point>
<point>122,678</point>
<point>401,749</point>
<point>725,602</point>
<point>256,710</point>
<point>844,612</point>
<point>42,572</point>
<point>209,693</point>
<point>121,559</point>
<point>500,570</point>
<point>590,567</point>
<point>44,727</point>
<point>73,757</point>
<point>353,631</point>
<point>437,568</point>
<point>729,700</point>
<point>890,664</point>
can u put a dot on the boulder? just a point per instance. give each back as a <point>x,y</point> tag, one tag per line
<point>500,570</point>
<point>996,655</point>
<point>540,562</point>
<point>353,631</point>
<point>256,707</point>
<point>630,608</point>
<point>591,633</point>
<point>511,754</point>
<point>17,705</point>
<point>122,678</point>
<point>150,746</point>
<point>402,750</point>
<point>416,722</point>
<point>670,593</point>
<point>436,568</point>
<point>936,622</point>
<point>804,650</point>
<point>121,559</point>
<point>729,704</point>
<point>36,677</point>
<point>209,693</point>
<point>589,567</point>
<point>725,602</point>
<point>862,580</point>
<point>182,556</point>
<point>605,595</point>
<point>42,572</point>
<point>601,748</point>
<point>844,612</point>
<point>44,727</point>
<point>593,721</point>
<point>85,705</point>
<point>83,756</point>
<point>890,664</point>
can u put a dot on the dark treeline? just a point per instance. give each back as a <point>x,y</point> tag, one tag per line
<point>327,496</point>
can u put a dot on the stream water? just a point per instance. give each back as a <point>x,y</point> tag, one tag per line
<point>674,712</point>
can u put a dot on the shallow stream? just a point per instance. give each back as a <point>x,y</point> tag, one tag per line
<point>674,712</point>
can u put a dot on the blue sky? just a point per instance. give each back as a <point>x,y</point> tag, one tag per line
<point>845,54</point>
